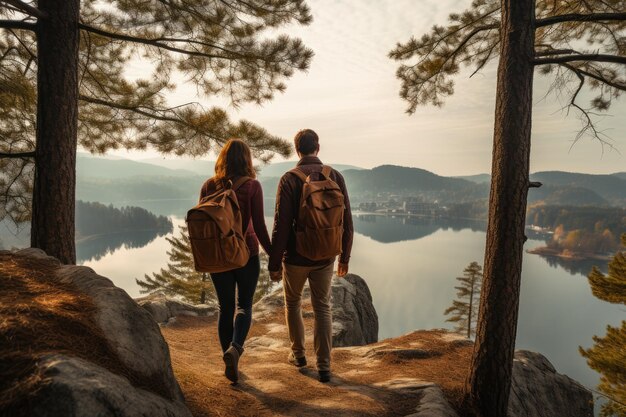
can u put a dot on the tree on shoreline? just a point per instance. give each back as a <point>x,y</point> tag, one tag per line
<point>524,35</point>
<point>179,278</point>
<point>64,82</point>
<point>464,310</point>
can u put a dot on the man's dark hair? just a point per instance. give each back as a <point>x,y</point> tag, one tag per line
<point>306,141</point>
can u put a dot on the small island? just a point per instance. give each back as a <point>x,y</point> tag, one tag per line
<point>577,233</point>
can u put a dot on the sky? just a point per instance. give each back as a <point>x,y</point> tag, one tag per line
<point>349,96</point>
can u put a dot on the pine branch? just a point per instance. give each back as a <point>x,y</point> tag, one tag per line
<point>576,17</point>
<point>20,155</point>
<point>25,8</point>
<point>151,113</point>
<point>18,24</point>
<point>616,59</point>
<point>551,52</point>
<point>158,42</point>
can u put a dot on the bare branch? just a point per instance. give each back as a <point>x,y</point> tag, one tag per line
<point>597,77</point>
<point>17,24</point>
<point>25,8</point>
<point>576,17</point>
<point>616,59</point>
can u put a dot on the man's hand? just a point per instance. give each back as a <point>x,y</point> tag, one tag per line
<point>342,270</point>
<point>276,276</point>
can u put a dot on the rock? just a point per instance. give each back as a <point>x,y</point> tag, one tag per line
<point>132,335</point>
<point>538,390</point>
<point>75,387</point>
<point>433,403</point>
<point>355,322</point>
<point>163,308</point>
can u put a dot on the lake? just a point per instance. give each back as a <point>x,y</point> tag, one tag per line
<point>410,266</point>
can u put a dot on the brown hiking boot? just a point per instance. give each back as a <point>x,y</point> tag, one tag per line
<point>231,360</point>
<point>324,376</point>
<point>297,362</point>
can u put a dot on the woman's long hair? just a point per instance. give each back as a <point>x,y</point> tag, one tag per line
<point>235,160</point>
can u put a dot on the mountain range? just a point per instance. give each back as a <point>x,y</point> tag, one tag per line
<point>121,180</point>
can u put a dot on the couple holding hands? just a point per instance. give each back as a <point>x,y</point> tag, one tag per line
<point>312,226</point>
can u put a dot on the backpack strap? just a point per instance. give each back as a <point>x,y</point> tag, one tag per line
<point>326,170</point>
<point>298,173</point>
<point>240,181</point>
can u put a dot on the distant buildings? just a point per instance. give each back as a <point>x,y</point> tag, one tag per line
<point>402,205</point>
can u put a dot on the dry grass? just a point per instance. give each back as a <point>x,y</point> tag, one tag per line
<point>40,316</point>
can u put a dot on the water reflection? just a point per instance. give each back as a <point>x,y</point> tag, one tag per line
<point>389,229</point>
<point>574,267</point>
<point>94,248</point>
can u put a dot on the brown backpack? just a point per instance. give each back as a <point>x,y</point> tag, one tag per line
<point>319,225</point>
<point>215,230</point>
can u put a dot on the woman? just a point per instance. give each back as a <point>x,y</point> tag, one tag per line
<point>235,288</point>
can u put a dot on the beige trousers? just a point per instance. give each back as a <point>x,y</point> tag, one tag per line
<point>294,278</point>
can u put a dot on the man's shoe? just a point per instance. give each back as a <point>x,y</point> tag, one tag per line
<point>298,362</point>
<point>324,376</point>
<point>231,360</point>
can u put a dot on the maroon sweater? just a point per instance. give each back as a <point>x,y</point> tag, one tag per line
<point>250,198</point>
<point>287,202</point>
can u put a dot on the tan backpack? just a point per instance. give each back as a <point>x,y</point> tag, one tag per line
<point>319,225</point>
<point>215,230</point>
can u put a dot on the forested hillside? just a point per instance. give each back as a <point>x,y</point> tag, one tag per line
<point>95,218</point>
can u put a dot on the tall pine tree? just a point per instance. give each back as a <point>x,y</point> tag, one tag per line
<point>579,43</point>
<point>65,81</point>
<point>464,310</point>
<point>608,354</point>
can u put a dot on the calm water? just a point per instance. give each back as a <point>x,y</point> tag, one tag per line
<point>410,266</point>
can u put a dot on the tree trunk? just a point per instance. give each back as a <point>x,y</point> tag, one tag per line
<point>469,314</point>
<point>489,381</point>
<point>52,227</point>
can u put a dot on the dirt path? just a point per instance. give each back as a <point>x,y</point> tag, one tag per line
<point>375,380</point>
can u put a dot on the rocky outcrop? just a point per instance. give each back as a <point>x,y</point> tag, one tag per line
<point>355,322</point>
<point>79,388</point>
<point>76,387</point>
<point>163,309</point>
<point>433,403</point>
<point>538,390</point>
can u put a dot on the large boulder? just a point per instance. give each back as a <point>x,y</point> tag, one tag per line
<point>79,388</point>
<point>136,340</point>
<point>163,308</point>
<point>355,322</point>
<point>538,390</point>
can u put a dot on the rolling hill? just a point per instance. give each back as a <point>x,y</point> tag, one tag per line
<point>88,166</point>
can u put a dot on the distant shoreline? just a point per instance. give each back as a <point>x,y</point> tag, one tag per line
<point>83,239</point>
<point>568,255</point>
<point>423,216</point>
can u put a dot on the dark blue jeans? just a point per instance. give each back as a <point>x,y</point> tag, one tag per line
<point>235,290</point>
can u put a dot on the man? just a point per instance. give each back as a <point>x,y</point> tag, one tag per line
<point>296,268</point>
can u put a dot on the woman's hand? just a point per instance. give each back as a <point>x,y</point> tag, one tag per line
<point>276,276</point>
